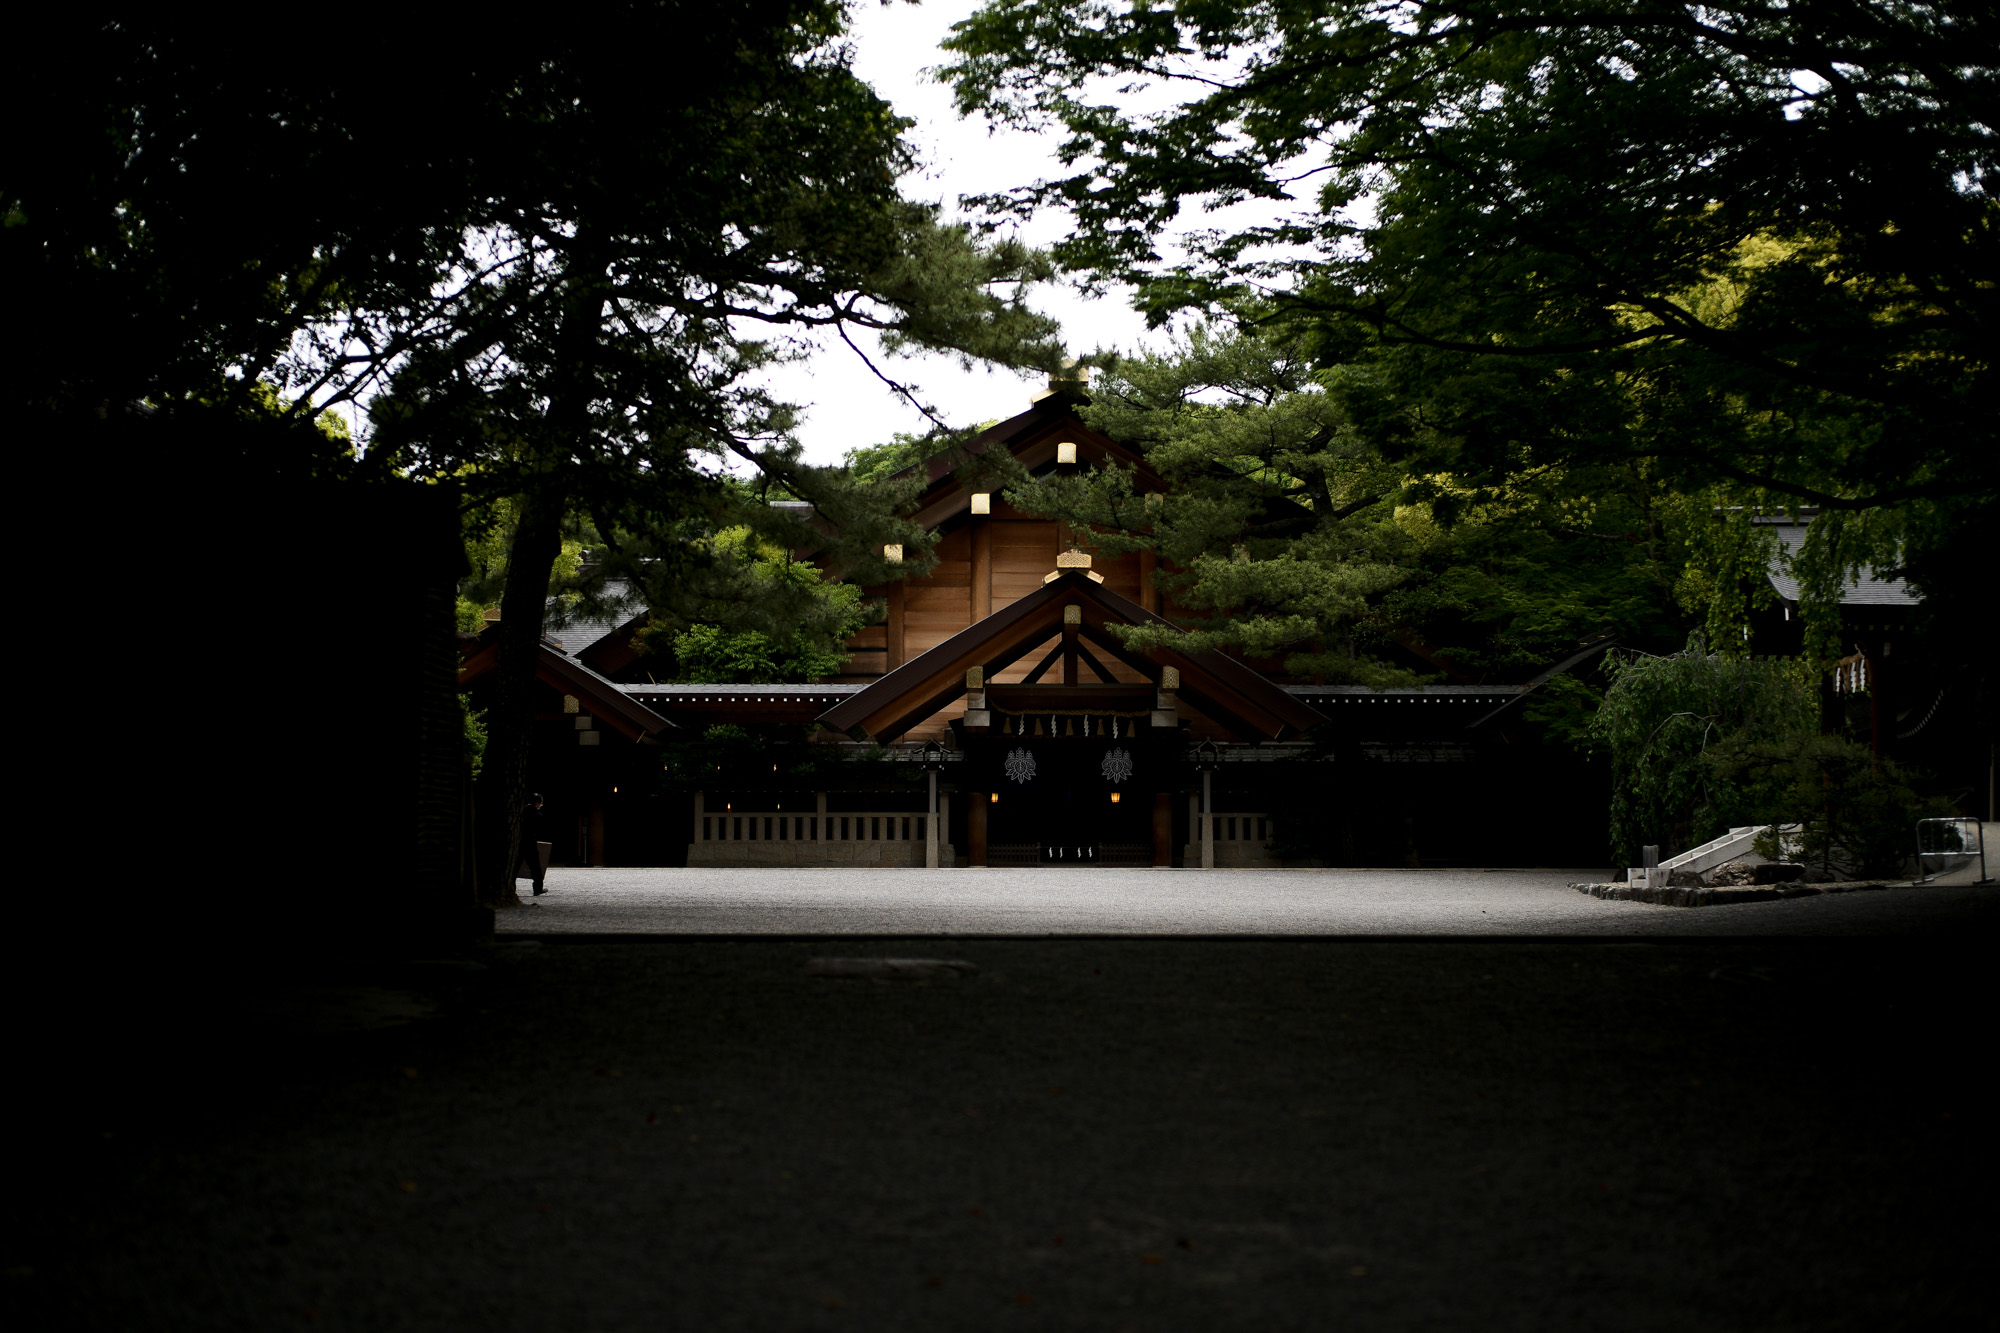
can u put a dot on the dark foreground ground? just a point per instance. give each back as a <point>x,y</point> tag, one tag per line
<point>1133,1134</point>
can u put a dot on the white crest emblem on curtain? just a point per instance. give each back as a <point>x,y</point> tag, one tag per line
<point>1020,765</point>
<point>1117,765</point>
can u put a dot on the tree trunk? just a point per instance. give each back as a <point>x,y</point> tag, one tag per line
<point>530,561</point>
<point>503,777</point>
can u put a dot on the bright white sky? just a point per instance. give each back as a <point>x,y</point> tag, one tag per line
<point>846,406</point>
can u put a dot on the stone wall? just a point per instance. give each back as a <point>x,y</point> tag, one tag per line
<point>1235,856</point>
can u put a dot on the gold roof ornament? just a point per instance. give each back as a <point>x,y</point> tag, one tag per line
<point>893,553</point>
<point>1170,678</point>
<point>1072,614</point>
<point>1066,452</point>
<point>1072,559</point>
<point>975,678</point>
<point>982,502</point>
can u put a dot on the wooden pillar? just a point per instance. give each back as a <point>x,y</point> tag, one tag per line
<point>1149,596</point>
<point>1207,821</point>
<point>1072,623</point>
<point>1163,829</point>
<point>982,569</point>
<point>597,835</point>
<point>819,817</point>
<point>975,827</point>
<point>931,839</point>
<point>895,625</point>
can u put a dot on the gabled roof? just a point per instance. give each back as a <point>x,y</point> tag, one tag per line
<point>575,633</point>
<point>600,696</point>
<point>1220,686</point>
<point>1031,437</point>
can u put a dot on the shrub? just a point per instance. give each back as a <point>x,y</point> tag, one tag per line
<point>1660,720</point>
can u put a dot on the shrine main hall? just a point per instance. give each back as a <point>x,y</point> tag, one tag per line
<point>994,716</point>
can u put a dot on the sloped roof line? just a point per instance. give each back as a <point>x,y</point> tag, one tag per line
<point>601,696</point>
<point>938,503</point>
<point>1865,589</point>
<point>1217,683</point>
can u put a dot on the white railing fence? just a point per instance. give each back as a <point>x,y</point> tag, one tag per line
<point>1240,827</point>
<point>772,826</point>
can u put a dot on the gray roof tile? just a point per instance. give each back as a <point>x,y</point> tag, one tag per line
<point>1870,589</point>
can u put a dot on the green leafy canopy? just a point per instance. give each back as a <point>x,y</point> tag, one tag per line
<point>1749,247</point>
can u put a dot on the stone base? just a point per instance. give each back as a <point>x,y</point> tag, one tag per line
<point>1695,896</point>
<point>1235,856</point>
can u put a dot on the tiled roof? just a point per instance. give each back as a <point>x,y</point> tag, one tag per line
<point>1868,590</point>
<point>576,635</point>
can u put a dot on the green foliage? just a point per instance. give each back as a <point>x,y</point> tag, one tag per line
<point>1564,711</point>
<point>474,720</point>
<point>769,758</point>
<point>489,535</point>
<point>709,655</point>
<point>1276,532</point>
<point>1857,814</point>
<point>1511,577</point>
<point>753,614</point>
<point>1726,576</point>
<point>1750,245</point>
<point>1663,721</point>
<point>879,462</point>
<point>555,295</point>
<point>1292,533</point>
<point>1838,547</point>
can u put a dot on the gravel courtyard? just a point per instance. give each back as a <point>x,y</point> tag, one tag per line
<point>995,902</point>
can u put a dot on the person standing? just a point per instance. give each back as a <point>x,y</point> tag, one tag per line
<point>531,834</point>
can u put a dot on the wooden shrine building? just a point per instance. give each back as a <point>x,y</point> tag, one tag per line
<point>993,716</point>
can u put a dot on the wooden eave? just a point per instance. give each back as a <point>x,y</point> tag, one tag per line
<point>599,697</point>
<point>802,709</point>
<point>1031,438</point>
<point>1238,697</point>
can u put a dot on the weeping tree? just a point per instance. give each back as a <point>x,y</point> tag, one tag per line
<point>1668,721</point>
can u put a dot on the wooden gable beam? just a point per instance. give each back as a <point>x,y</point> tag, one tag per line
<point>1225,695</point>
<point>918,688</point>
<point>599,697</point>
<point>1032,438</point>
<point>1219,685</point>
